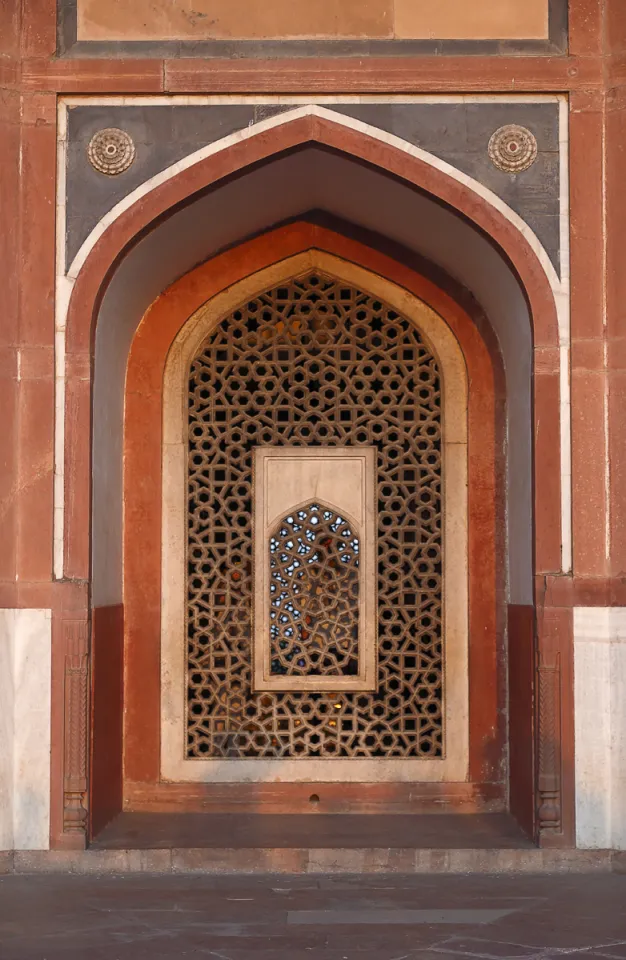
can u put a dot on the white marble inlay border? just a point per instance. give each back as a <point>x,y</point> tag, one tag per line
<point>25,701</point>
<point>600,726</point>
<point>65,280</point>
<point>563,303</point>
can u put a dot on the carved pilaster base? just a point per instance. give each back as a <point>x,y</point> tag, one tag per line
<point>549,753</point>
<point>76,714</point>
<point>74,810</point>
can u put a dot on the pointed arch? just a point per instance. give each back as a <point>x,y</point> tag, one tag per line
<point>310,124</point>
<point>447,352</point>
<point>81,295</point>
<point>155,343</point>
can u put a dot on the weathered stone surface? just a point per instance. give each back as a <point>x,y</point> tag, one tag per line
<point>298,917</point>
<point>458,133</point>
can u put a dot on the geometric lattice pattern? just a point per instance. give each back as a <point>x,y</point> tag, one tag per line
<point>314,595</point>
<point>314,362</point>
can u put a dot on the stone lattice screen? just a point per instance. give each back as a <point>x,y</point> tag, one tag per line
<point>315,363</point>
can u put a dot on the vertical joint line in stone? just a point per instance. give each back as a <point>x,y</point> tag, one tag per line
<point>563,306</point>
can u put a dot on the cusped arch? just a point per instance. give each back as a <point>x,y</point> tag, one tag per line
<point>292,541</point>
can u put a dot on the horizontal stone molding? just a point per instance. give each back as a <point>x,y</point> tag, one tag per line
<point>302,860</point>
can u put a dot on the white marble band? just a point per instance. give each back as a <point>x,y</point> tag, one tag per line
<point>600,726</point>
<point>25,697</point>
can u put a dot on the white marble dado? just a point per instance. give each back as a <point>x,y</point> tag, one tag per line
<point>25,691</point>
<point>600,725</point>
<point>6,730</point>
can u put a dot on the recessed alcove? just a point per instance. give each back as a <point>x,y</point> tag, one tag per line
<point>316,186</point>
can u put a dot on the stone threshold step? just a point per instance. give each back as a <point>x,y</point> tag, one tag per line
<point>313,861</point>
<point>134,830</point>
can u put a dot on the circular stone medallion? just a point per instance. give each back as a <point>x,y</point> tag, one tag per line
<point>513,149</point>
<point>111,151</point>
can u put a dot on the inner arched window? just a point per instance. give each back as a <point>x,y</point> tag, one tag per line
<point>314,363</point>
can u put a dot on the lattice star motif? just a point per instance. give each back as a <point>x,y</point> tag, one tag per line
<point>314,361</point>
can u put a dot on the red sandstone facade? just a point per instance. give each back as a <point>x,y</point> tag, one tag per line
<point>529,705</point>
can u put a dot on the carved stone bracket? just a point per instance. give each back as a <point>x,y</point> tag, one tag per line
<point>76,715</point>
<point>549,748</point>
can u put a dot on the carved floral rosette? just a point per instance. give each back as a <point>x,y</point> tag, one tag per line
<point>513,149</point>
<point>111,151</point>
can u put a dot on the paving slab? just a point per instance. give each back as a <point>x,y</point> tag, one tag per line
<point>282,917</point>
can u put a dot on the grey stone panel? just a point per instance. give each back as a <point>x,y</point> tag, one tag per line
<point>458,133</point>
<point>307,49</point>
<point>162,136</point>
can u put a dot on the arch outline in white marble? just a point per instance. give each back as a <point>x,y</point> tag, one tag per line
<point>66,278</point>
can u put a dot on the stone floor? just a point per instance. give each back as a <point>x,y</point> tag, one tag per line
<point>62,917</point>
